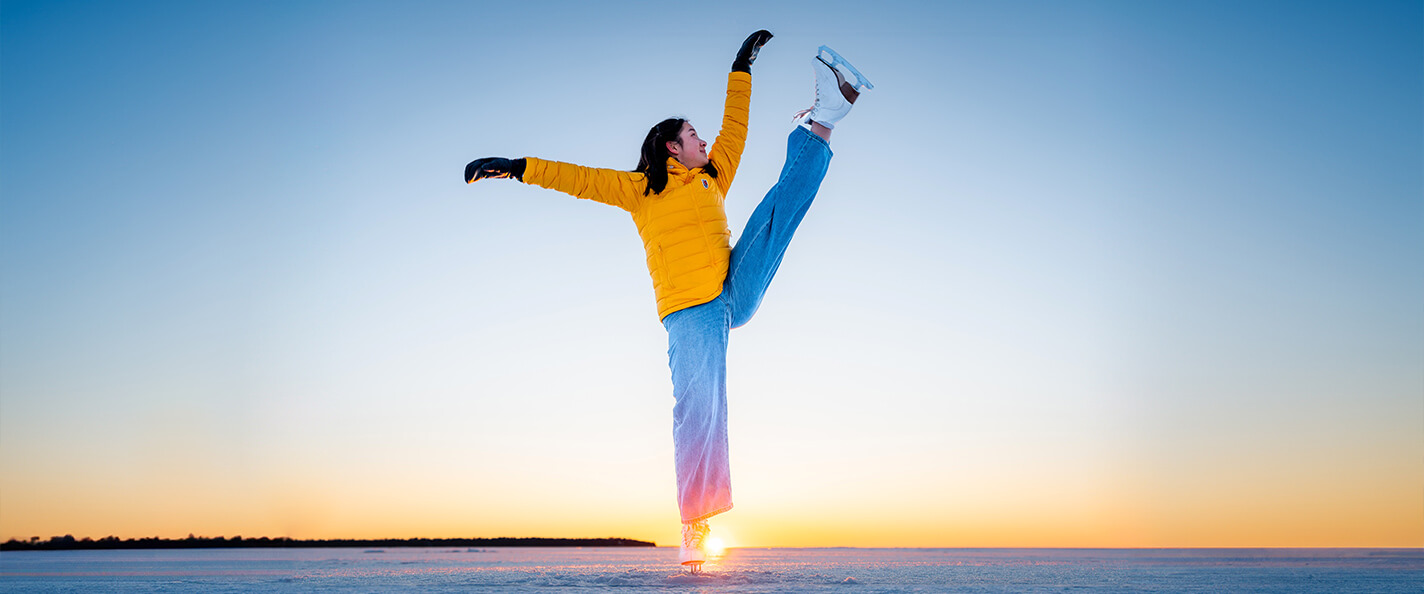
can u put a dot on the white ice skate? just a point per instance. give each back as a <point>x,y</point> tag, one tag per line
<point>693,554</point>
<point>834,96</point>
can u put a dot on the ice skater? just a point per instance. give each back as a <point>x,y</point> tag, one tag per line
<point>704,285</point>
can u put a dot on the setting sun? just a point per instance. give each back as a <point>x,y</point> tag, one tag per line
<point>715,547</point>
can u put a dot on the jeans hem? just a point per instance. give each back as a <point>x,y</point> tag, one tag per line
<point>708,514</point>
<point>824,142</point>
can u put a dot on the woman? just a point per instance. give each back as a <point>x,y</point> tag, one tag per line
<point>704,286</point>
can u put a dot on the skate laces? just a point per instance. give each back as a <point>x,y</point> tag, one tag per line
<point>817,102</point>
<point>693,534</point>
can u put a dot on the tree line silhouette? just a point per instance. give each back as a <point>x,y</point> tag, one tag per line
<point>69,543</point>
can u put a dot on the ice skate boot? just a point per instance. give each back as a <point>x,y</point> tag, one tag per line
<point>693,554</point>
<point>834,96</point>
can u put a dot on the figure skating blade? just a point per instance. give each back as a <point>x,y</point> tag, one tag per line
<point>860,81</point>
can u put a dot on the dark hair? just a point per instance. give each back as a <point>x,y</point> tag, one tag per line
<point>652,162</point>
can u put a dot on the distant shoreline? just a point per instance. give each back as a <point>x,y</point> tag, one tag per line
<point>69,543</point>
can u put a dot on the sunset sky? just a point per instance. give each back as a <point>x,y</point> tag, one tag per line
<point>1083,274</point>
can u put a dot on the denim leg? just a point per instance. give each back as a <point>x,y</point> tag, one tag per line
<point>697,355</point>
<point>758,252</point>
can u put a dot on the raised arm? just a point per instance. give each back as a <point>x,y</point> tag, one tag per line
<point>727,148</point>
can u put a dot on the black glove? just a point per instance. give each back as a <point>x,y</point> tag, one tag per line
<point>748,53</point>
<point>494,167</point>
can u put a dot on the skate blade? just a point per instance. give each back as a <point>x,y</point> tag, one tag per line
<point>860,81</point>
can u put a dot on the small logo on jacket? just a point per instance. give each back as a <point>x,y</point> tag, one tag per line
<point>704,183</point>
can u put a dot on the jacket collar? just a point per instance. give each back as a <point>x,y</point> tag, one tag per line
<point>676,169</point>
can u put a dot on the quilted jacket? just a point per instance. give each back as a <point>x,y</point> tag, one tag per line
<point>684,228</point>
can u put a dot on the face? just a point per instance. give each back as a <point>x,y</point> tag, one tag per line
<point>688,149</point>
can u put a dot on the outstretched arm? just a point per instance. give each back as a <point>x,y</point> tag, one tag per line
<point>623,189</point>
<point>617,188</point>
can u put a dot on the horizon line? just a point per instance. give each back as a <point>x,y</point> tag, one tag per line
<point>69,542</point>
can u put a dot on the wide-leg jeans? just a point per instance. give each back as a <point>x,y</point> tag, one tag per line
<point>697,336</point>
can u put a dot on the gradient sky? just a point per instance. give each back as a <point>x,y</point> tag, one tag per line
<point>1082,273</point>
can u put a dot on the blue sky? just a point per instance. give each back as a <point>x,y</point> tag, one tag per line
<point>1096,273</point>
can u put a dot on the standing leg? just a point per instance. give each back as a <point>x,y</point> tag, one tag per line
<point>697,355</point>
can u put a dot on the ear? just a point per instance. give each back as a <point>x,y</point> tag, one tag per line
<point>673,147</point>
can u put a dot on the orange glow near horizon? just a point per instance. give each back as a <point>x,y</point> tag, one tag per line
<point>1213,503</point>
<point>1186,520</point>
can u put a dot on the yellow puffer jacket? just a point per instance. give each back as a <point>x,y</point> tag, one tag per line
<point>684,228</point>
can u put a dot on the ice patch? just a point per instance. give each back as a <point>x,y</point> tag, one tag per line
<point>749,571</point>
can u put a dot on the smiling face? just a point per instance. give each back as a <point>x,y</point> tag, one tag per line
<point>688,149</point>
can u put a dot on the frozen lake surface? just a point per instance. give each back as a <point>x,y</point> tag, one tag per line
<point>741,570</point>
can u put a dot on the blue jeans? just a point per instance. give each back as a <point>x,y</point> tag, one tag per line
<point>697,336</point>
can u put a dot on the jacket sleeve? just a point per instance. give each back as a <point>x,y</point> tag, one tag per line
<point>623,189</point>
<point>726,151</point>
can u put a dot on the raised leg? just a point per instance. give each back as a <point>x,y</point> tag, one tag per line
<point>769,230</point>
